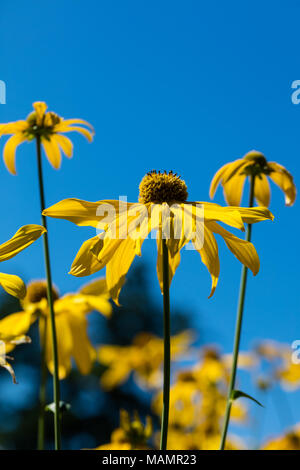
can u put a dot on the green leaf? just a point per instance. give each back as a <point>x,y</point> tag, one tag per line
<point>238,394</point>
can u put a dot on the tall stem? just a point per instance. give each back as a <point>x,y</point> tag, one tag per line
<point>43,384</point>
<point>167,348</point>
<point>56,393</point>
<point>238,329</point>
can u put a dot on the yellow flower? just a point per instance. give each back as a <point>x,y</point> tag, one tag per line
<point>71,322</point>
<point>288,441</point>
<point>162,206</point>
<point>144,357</point>
<point>24,237</point>
<point>232,177</point>
<point>131,435</point>
<point>49,127</point>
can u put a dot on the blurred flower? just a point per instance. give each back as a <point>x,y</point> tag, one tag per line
<point>70,315</point>
<point>232,177</point>
<point>144,357</point>
<point>24,237</point>
<point>48,126</point>
<point>162,203</point>
<point>288,441</point>
<point>198,396</point>
<point>131,435</point>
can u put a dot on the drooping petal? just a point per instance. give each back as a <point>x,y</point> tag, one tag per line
<point>62,127</point>
<point>82,350</point>
<point>233,189</point>
<point>262,190</point>
<point>86,262</point>
<point>15,325</point>
<point>285,181</point>
<point>252,215</point>
<point>244,251</point>
<point>13,285</point>
<point>228,215</point>
<point>64,344</point>
<point>216,180</point>
<point>68,122</point>
<point>118,266</point>
<point>9,152</point>
<point>84,213</point>
<point>40,109</point>
<point>52,152</point>
<point>24,237</point>
<point>210,257</point>
<point>234,168</point>
<point>64,143</point>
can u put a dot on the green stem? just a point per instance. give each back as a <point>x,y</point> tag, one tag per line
<point>238,328</point>
<point>43,384</point>
<point>56,393</point>
<point>167,348</point>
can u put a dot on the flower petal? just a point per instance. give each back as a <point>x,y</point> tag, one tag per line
<point>64,344</point>
<point>84,213</point>
<point>243,250</point>
<point>64,143</point>
<point>209,256</point>
<point>9,152</point>
<point>40,109</point>
<point>216,180</point>
<point>233,189</point>
<point>86,262</point>
<point>228,215</point>
<point>85,132</point>
<point>24,237</point>
<point>52,152</point>
<point>15,325</point>
<point>13,127</point>
<point>262,190</point>
<point>13,285</point>
<point>67,122</point>
<point>285,181</point>
<point>82,350</point>
<point>118,266</point>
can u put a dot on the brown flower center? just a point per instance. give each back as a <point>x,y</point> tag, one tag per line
<point>37,290</point>
<point>157,187</point>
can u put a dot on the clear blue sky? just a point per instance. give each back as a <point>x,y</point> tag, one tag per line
<point>186,86</point>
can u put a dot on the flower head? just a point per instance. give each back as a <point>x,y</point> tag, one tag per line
<point>162,208</point>
<point>71,322</point>
<point>233,175</point>
<point>157,187</point>
<point>48,127</point>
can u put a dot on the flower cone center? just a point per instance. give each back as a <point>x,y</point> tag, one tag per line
<point>158,187</point>
<point>36,291</point>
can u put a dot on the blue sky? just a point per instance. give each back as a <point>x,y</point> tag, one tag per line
<point>186,86</point>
